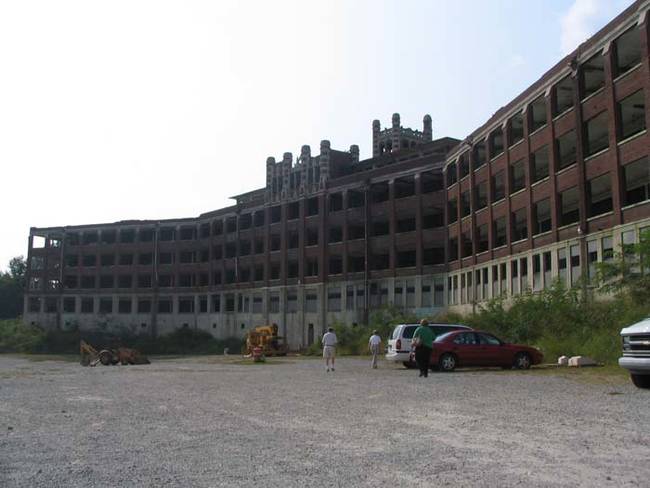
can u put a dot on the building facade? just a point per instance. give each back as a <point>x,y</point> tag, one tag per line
<point>554,182</point>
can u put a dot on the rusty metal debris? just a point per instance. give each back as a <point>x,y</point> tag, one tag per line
<point>91,357</point>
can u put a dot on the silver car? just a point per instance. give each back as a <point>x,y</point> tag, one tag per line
<point>636,352</point>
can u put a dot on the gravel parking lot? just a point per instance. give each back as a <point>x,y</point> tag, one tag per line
<point>218,422</point>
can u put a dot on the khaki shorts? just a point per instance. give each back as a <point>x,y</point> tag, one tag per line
<point>329,351</point>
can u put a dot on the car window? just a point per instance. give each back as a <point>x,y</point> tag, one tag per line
<point>488,339</point>
<point>465,339</point>
<point>442,337</point>
<point>396,332</point>
<point>409,330</point>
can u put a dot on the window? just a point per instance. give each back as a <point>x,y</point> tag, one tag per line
<point>312,206</point>
<point>627,49</point>
<point>517,176</point>
<point>537,272</point>
<point>540,163</point>
<point>519,224</point>
<point>334,300</point>
<point>336,234</point>
<point>434,219</point>
<point>498,186</point>
<point>124,305</point>
<point>569,206</point>
<point>631,112</point>
<point>596,134</point>
<point>231,225</point>
<point>107,259</point>
<point>187,233</point>
<point>480,195</point>
<point>465,204</point>
<point>124,281</point>
<point>356,199</point>
<point>165,305</point>
<point>89,260</point>
<point>108,237</point>
<point>453,249</point>
<point>186,305</point>
<point>463,165</point>
<point>542,212</point>
<point>356,231</point>
<point>608,248</point>
<point>479,152</point>
<point>204,230</point>
<point>516,127</point>
<point>592,75</point>
<point>87,282</point>
<point>69,305</point>
<point>575,264</point>
<point>311,302</point>
<point>406,259</point>
<point>87,305</point>
<point>145,258</point>
<point>566,149</point>
<point>562,265</point>
<point>245,221</point>
<point>434,255</point>
<point>452,210</point>
<point>452,175</point>
<point>563,99</point>
<point>537,111</point>
<point>599,195</point>
<point>126,259</point>
<point>406,225</point>
<point>258,218</point>
<point>274,304</point>
<point>482,238</point>
<point>637,181</point>
<point>276,214</point>
<point>293,210</point>
<point>592,258</point>
<point>167,234</point>
<point>467,247</point>
<point>499,232</point>
<point>105,305</point>
<point>335,265</point>
<point>144,281</point>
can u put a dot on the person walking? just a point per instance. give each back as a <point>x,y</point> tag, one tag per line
<point>329,348</point>
<point>423,339</point>
<point>374,344</point>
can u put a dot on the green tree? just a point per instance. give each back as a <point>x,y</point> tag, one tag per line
<point>12,285</point>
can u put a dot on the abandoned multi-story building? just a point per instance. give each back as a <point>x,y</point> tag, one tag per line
<point>551,184</point>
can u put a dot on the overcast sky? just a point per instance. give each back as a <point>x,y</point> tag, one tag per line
<point>151,110</point>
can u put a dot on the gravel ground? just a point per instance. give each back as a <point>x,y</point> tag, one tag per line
<point>217,422</point>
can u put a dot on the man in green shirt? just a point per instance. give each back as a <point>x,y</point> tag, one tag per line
<point>423,340</point>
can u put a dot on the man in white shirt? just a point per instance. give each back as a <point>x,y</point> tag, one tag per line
<point>374,344</point>
<point>329,348</point>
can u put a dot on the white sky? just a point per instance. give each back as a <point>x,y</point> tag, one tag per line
<point>157,109</point>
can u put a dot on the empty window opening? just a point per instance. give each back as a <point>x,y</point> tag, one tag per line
<point>481,195</point>
<point>335,202</point>
<point>632,115</point>
<point>516,127</point>
<point>540,161</point>
<point>463,165</point>
<point>537,110</point>
<point>406,224</point>
<point>563,96</point>
<point>599,195</point>
<point>542,213</point>
<point>566,149</point>
<point>627,50</point>
<point>452,210</point>
<point>569,207</point>
<point>496,143</point>
<point>637,181</point>
<point>499,232</point>
<point>482,238</point>
<point>519,224</point>
<point>498,186</point>
<point>596,134</point>
<point>592,75</point>
<point>452,174</point>
<point>465,204</point>
<point>517,176</point>
<point>404,187</point>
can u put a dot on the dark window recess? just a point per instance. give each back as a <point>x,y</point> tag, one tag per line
<point>627,49</point>
<point>467,245</point>
<point>124,305</point>
<point>259,273</point>
<point>480,195</point>
<point>217,227</point>
<point>596,134</point>
<point>311,237</point>
<point>275,271</point>
<point>144,305</point>
<point>244,248</point>
<point>452,210</point>
<point>631,112</point>
<point>482,238</point>
<point>542,213</point>
<point>204,255</point>
<point>276,214</point>
<point>430,182</point>
<point>293,210</point>
<point>165,280</point>
<point>496,142</point>
<point>356,231</point>
<point>259,246</point>
<point>245,221</point>
<point>498,186</point>
<point>70,281</point>
<point>356,264</point>
<point>203,305</point>
<point>145,235</point>
<point>126,259</point>
<point>106,281</point>
<point>217,251</point>
<point>145,258</point>
<point>599,195</point>
<point>259,218</point>
<point>166,234</point>
<point>433,255</point>
<point>185,305</point>
<point>165,305</point>
<point>105,305</point>
<point>187,257</point>
<point>406,225</point>
<point>109,237</point>
<point>380,261</point>
<point>166,258</point>
<point>592,75</point>
<point>540,160</point>
<point>292,269</point>
<point>335,265</point>
<point>404,187</point>
<point>566,149</point>
<point>72,239</point>
<point>519,224</point>
<point>230,303</point>
<point>244,274</point>
<point>380,228</point>
<point>563,95</point>
<point>516,127</point>
<point>188,233</point>
<point>87,282</point>
<point>231,225</point>
<point>230,250</point>
<point>463,165</point>
<point>499,232</point>
<point>537,114</point>
<point>89,260</point>
<point>406,259</point>
<point>452,174</point>
<point>569,210</point>
<point>127,235</point>
<point>379,192</point>
<point>293,240</point>
<point>355,199</point>
<point>453,249</point>
<point>517,176</point>
<point>276,242</point>
<point>433,220</point>
<point>124,281</point>
<point>72,260</point>
<point>311,267</point>
<point>204,231</point>
<point>204,279</point>
<point>69,305</point>
<point>335,202</point>
<point>637,181</point>
<point>87,305</point>
<point>230,276</point>
<point>312,206</point>
<point>335,234</point>
<point>90,238</point>
<point>465,204</point>
<point>144,281</point>
<point>216,278</point>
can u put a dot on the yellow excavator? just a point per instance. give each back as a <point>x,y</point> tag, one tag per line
<point>266,338</point>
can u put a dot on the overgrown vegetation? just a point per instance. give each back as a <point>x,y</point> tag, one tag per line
<point>12,285</point>
<point>17,337</point>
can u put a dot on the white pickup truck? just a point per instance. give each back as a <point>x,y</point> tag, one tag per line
<point>636,352</point>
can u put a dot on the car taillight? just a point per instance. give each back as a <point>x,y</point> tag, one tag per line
<point>398,344</point>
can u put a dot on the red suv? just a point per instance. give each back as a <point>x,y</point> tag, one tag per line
<point>476,348</point>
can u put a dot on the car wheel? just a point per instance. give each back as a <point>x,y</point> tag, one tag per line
<point>641,380</point>
<point>447,362</point>
<point>522,360</point>
<point>409,365</point>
